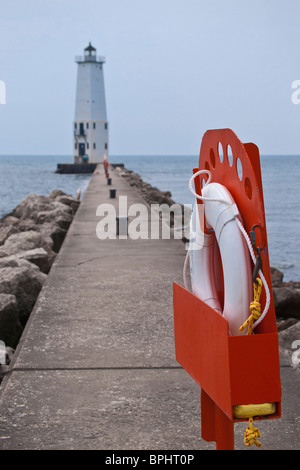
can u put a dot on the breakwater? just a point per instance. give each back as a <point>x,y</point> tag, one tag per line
<point>95,367</point>
<point>32,234</point>
<point>30,238</point>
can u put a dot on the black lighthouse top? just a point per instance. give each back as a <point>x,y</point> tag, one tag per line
<point>90,56</point>
<point>90,53</point>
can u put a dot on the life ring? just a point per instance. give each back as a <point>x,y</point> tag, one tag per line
<point>222,232</point>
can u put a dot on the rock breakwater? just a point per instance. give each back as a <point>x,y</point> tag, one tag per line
<point>30,238</point>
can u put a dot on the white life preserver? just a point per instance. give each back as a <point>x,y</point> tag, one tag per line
<point>220,212</point>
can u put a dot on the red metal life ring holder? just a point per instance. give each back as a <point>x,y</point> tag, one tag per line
<point>231,370</point>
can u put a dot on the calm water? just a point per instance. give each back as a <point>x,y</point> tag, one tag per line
<point>21,175</point>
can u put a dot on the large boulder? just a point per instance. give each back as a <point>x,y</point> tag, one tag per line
<point>60,214</point>
<point>276,277</point>
<point>31,206</point>
<point>8,220</point>
<point>8,226</point>
<point>25,284</point>
<point>289,343</point>
<point>50,216</point>
<point>7,231</point>
<point>31,246</point>
<point>286,296</point>
<point>57,193</point>
<point>14,262</point>
<point>37,256</point>
<point>24,241</point>
<point>42,209</point>
<point>54,232</point>
<point>51,231</point>
<point>287,302</point>
<point>63,198</point>
<point>10,326</point>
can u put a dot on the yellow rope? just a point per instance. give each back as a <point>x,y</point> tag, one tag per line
<point>251,432</point>
<point>255,307</point>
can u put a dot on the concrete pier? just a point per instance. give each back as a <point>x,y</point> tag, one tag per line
<point>96,368</point>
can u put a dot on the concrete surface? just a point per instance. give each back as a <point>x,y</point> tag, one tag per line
<point>96,368</point>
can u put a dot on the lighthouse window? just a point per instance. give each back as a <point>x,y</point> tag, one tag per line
<point>94,145</point>
<point>87,125</point>
<point>75,125</point>
<point>105,125</point>
<point>94,125</point>
<point>105,146</point>
<point>87,145</point>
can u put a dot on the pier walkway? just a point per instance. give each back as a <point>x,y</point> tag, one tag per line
<point>96,368</point>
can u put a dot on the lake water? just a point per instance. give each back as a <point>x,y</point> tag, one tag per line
<point>21,175</point>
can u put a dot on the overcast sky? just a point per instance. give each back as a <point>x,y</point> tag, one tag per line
<point>174,68</point>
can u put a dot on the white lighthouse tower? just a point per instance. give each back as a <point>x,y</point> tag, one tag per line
<point>90,123</point>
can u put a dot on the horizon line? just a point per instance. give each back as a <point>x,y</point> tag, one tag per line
<point>137,155</point>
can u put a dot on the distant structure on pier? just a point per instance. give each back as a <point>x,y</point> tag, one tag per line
<point>90,127</point>
<point>90,123</point>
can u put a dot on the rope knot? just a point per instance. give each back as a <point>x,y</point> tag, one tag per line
<point>251,434</point>
<point>254,307</point>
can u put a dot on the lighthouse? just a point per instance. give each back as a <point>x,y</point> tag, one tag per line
<point>90,123</point>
